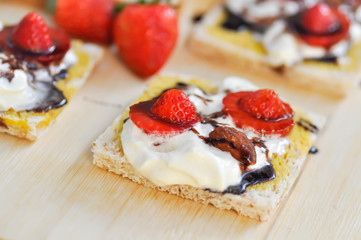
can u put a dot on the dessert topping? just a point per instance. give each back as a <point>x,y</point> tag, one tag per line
<point>212,154</point>
<point>32,58</point>
<point>320,19</point>
<point>171,113</point>
<point>32,35</point>
<point>32,40</point>
<point>265,104</point>
<point>235,142</point>
<point>322,25</point>
<point>174,107</point>
<point>261,110</point>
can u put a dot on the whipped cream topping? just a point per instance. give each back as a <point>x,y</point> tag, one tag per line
<point>256,10</point>
<point>185,158</point>
<point>16,92</point>
<point>22,88</point>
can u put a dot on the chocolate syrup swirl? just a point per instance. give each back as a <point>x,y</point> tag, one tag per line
<point>3,124</point>
<point>197,18</point>
<point>263,174</point>
<point>307,125</point>
<point>260,143</point>
<point>236,22</point>
<point>313,150</point>
<point>51,96</point>
<point>62,74</point>
<point>8,75</point>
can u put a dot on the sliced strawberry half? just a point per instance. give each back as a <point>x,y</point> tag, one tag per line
<point>174,107</point>
<point>32,35</point>
<point>262,111</point>
<point>32,40</point>
<point>171,113</point>
<point>323,25</point>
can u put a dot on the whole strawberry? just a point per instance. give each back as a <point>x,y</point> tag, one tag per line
<point>85,19</point>
<point>145,35</point>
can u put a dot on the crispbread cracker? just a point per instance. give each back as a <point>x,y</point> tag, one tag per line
<point>31,124</point>
<point>252,63</point>
<point>259,201</point>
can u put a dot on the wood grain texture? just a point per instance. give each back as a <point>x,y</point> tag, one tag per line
<point>50,190</point>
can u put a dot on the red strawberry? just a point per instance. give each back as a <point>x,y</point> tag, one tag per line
<point>175,107</point>
<point>265,104</point>
<point>32,35</point>
<point>86,19</point>
<point>261,110</point>
<point>171,113</point>
<point>32,40</point>
<point>325,26</point>
<point>319,19</point>
<point>145,36</point>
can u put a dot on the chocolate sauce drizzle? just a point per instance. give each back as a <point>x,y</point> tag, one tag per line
<point>8,75</point>
<point>260,143</point>
<point>313,150</point>
<point>249,178</point>
<point>236,22</point>
<point>61,75</point>
<point>307,125</point>
<point>263,174</point>
<point>52,96</point>
<point>197,18</point>
<point>3,124</point>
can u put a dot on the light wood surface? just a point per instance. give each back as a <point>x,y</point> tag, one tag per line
<point>50,189</point>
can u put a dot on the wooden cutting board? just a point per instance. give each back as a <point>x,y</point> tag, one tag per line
<point>49,189</point>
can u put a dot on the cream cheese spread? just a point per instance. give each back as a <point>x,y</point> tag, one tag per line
<point>185,158</point>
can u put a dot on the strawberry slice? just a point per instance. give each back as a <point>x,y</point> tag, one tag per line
<point>32,40</point>
<point>32,35</point>
<point>261,110</point>
<point>174,106</point>
<point>324,26</point>
<point>171,113</point>
<point>320,18</point>
<point>265,104</point>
